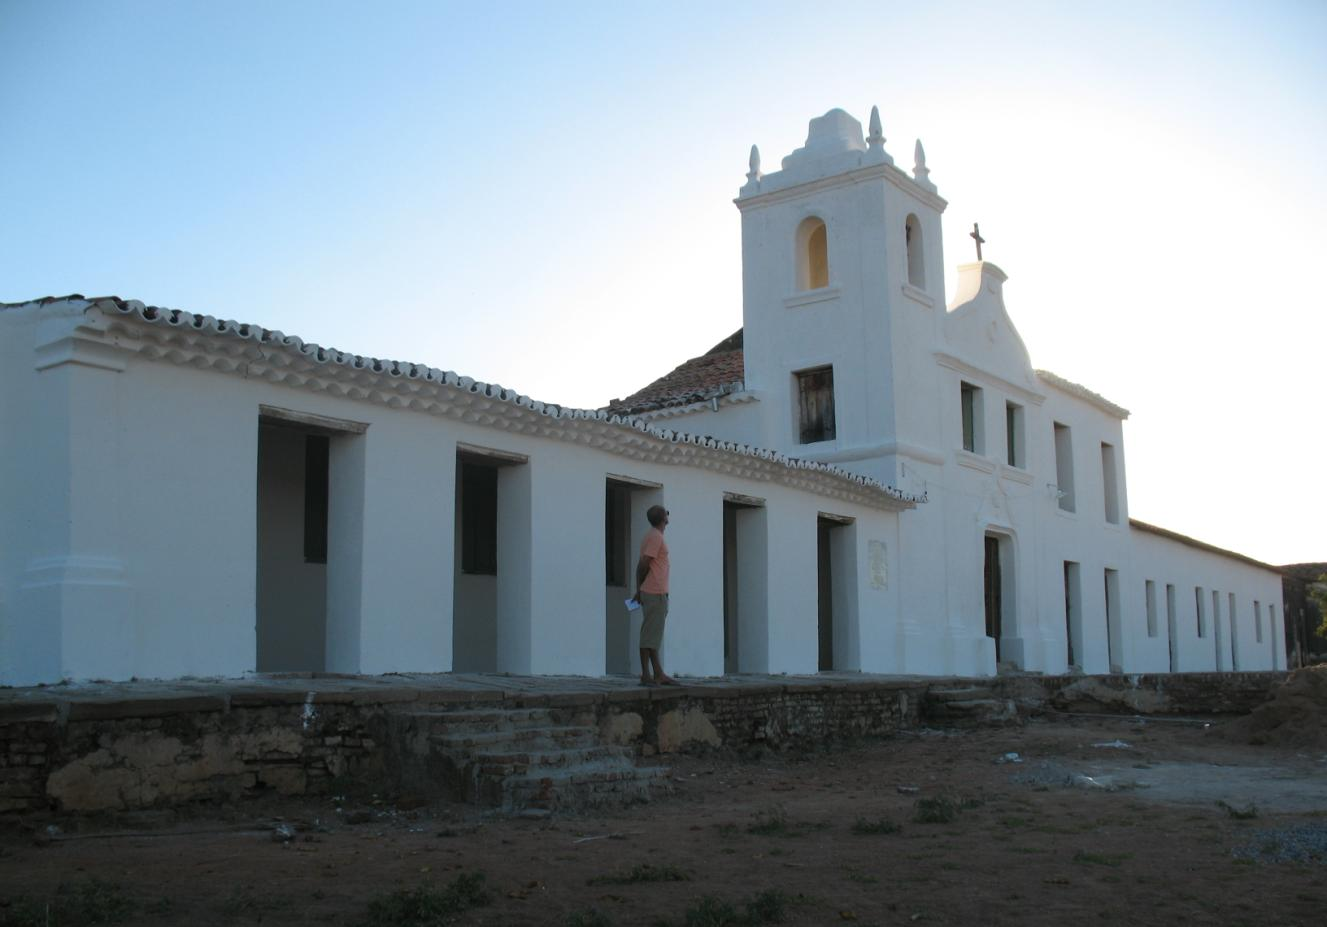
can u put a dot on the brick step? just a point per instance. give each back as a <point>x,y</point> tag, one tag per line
<point>959,694</point>
<point>974,712</point>
<point>577,787</point>
<point>507,763</point>
<point>527,736</point>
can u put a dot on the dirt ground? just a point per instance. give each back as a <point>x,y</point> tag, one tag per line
<point>1100,820</point>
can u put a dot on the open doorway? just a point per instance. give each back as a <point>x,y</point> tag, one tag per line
<point>745,585</point>
<point>835,559</point>
<point>998,595</point>
<point>491,595</point>
<point>626,500</point>
<point>1114,629</point>
<point>309,482</point>
<point>1073,615</point>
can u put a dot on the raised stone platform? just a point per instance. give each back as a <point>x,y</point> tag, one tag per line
<point>121,746</point>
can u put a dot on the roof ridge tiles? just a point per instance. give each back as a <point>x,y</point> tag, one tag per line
<point>155,315</point>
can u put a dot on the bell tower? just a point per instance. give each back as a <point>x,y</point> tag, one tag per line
<point>843,296</point>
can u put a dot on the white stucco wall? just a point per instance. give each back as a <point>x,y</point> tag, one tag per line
<point>152,568</point>
<point>130,530</point>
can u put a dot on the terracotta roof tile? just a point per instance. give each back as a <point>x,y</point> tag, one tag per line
<point>714,373</point>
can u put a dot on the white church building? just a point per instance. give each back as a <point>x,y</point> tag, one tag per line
<point>866,477</point>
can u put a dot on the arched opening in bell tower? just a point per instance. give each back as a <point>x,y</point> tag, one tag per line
<point>812,254</point>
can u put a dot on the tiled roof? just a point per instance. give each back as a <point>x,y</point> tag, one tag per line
<point>196,340</point>
<point>717,372</point>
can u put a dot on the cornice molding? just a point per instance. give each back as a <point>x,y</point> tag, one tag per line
<point>1082,392</point>
<point>207,343</point>
<point>882,171</point>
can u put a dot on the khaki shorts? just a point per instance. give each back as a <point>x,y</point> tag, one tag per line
<point>655,607</point>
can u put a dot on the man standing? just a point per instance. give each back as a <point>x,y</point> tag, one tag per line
<point>652,594</point>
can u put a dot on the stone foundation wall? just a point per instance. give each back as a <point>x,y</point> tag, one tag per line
<point>76,754</point>
<point>779,717</point>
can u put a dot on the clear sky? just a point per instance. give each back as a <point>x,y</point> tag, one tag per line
<point>540,194</point>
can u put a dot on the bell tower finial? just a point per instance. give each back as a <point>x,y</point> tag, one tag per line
<point>920,172</point>
<point>875,141</point>
<point>754,163</point>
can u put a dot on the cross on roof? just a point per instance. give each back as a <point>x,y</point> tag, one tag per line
<point>975,235</point>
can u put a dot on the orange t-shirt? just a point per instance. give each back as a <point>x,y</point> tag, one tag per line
<point>656,581</point>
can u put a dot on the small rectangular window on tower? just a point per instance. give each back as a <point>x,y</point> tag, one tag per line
<point>815,405</point>
<point>971,406</point>
<point>1150,596</point>
<point>1064,466</point>
<point>1016,453</point>
<point>1110,484</point>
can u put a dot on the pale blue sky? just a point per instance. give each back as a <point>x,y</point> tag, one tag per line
<point>539,194</point>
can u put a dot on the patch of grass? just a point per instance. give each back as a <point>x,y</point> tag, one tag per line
<point>1014,822</point>
<point>863,878</point>
<point>1028,850</point>
<point>642,873</point>
<point>241,902</point>
<point>769,907</point>
<point>73,905</point>
<point>864,827</point>
<point>1084,858</point>
<point>1239,814</point>
<point>939,810</point>
<point>590,917</point>
<point>710,911</point>
<point>774,822</point>
<point>428,907</point>
<point>771,823</point>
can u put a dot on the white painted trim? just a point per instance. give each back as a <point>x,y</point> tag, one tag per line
<point>478,450</point>
<point>886,449</point>
<point>309,420</point>
<point>780,193</point>
<point>1017,474</point>
<point>973,461</point>
<point>1081,392</point>
<point>918,295</point>
<point>633,481</point>
<point>822,294</point>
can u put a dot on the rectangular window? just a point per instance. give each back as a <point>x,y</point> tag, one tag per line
<point>1064,466</point>
<point>316,455</point>
<point>1150,591</point>
<point>479,518</point>
<point>1201,612</point>
<point>815,405</point>
<point>1016,455</point>
<point>1110,484</point>
<point>971,406</point>
<point>1257,620</point>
